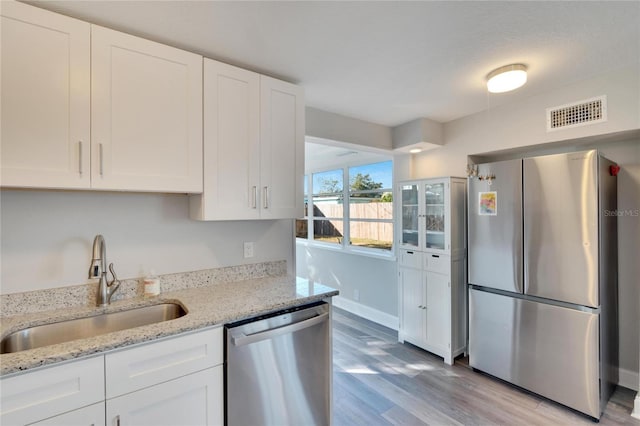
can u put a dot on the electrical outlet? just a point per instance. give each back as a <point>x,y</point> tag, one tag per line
<point>356,295</point>
<point>248,250</point>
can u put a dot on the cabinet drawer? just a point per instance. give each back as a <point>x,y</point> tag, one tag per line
<point>437,263</point>
<point>38,395</point>
<point>132,369</point>
<point>410,259</point>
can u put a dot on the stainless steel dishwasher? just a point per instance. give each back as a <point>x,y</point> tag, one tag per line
<point>278,368</point>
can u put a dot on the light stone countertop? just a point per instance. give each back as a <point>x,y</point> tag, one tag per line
<point>215,304</point>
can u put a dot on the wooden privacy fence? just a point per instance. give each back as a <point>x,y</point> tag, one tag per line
<point>382,231</point>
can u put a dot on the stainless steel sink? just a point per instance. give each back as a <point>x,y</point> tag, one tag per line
<point>81,328</point>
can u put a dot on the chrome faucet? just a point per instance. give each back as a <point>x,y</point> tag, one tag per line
<point>98,269</point>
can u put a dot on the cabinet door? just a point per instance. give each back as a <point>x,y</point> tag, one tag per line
<point>231,143</point>
<point>412,305</point>
<point>146,115</point>
<point>281,149</point>
<point>438,329</point>
<point>436,211</point>
<point>45,98</point>
<point>93,415</point>
<point>196,399</point>
<point>40,394</point>
<point>410,215</point>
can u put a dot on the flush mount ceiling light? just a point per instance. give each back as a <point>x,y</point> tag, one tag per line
<point>507,78</point>
<point>415,150</point>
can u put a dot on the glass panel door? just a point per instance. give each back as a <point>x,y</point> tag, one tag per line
<point>410,215</point>
<point>434,212</point>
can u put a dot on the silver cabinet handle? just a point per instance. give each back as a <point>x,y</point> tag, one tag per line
<point>118,420</point>
<point>241,339</point>
<point>254,203</point>
<point>80,157</point>
<point>101,160</point>
<point>265,197</point>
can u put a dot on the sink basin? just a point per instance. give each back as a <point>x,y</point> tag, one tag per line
<point>81,328</point>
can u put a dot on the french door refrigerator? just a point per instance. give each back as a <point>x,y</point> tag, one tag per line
<point>543,276</point>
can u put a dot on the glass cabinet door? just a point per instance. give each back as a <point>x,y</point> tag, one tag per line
<point>410,216</point>
<point>434,215</point>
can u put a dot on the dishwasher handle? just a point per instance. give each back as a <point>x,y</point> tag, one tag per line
<point>242,339</point>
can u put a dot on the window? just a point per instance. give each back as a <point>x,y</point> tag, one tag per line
<point>328,206</point>
<point>364,221</point>
<point>371,206</point>
<point>302,224</point>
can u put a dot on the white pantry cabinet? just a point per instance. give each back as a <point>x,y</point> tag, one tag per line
<point>85,107</point>
<point>146,114</point>
<point>45,90</point>
<point>431,265</point>
<point>253,146</point>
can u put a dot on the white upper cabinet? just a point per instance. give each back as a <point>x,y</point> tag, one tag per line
<point>87,107</point>
<point>281,149</point>
<point>45,91</point>
<point>146,115</point>
<point>253,146</point>
<point>231,144</point>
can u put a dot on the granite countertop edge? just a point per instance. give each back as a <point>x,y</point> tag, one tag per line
<point>208,306</point>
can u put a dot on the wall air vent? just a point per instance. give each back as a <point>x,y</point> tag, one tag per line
<point>580,113</point>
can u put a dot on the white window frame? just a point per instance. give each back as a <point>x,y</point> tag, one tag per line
<point>345,245</point>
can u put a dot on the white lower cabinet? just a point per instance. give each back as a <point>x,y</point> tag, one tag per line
<point>173,381</point>
<point>432,303</point>
<point>413,301</point>
<point>438,309</point>
<point>93,415</point>
<point>195,399</point>
<point>37,395</point>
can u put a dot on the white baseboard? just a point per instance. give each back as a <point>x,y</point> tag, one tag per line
<point>367,312</point>
<point>629,379</point>
<point>636,408</point>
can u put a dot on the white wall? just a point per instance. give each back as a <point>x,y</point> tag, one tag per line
<point>47,237</point>
<point>374,278</point>
<point>328,125</point>
<point>522,127</point>
<point>524,124</point>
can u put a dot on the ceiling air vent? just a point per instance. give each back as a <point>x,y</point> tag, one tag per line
<point>580,113</point>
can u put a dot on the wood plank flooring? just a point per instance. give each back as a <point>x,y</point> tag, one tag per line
<point>378,381</point>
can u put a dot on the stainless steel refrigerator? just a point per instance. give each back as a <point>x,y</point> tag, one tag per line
<point>543,276</point>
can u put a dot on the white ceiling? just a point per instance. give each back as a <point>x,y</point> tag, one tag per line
<point>321,155</point>
<point>390,62</point>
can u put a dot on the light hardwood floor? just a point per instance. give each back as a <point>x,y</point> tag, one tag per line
<point>378,381</point>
